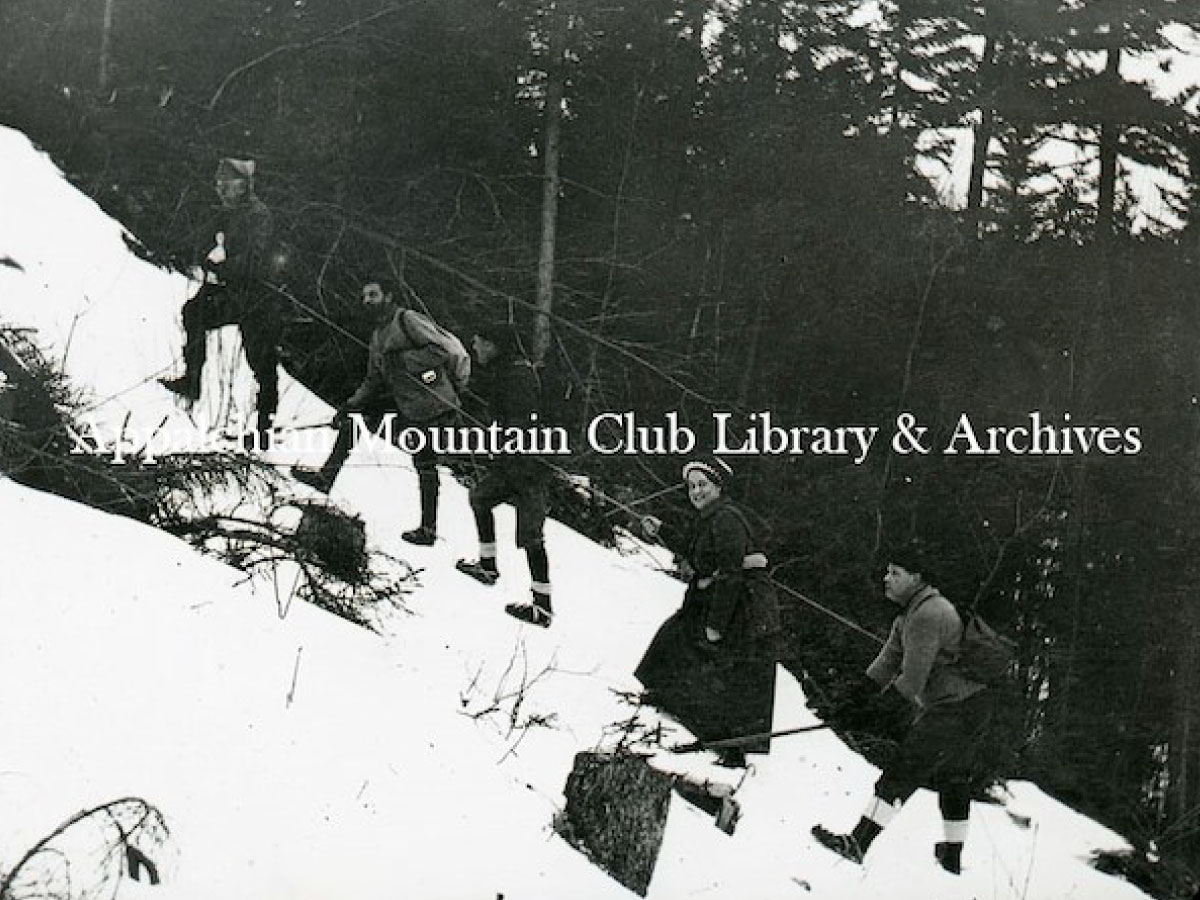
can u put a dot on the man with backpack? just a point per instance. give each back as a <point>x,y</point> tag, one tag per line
<point>418,369</point>
<point>950,714</point>
<point>510,387</point>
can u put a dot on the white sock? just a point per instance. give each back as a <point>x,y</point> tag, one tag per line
<point>880,811</point>
<point>955,830</point>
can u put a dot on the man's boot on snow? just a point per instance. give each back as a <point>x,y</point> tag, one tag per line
<point>426,534</point>
<point>949,856</point>
<point>484,570</point>
<point>184,386</point>
<point>537,613</point>
<point>423,536</point>
<point>854,846</point>
<point>314,478</point>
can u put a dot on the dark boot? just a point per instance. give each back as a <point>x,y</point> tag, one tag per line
<point>949,856</point>
<point>422,537</point>
<point>536,613</point>
<point>314,478</point>
<point>185,386</point>
<point>852,846</point>
<point>484,571</point>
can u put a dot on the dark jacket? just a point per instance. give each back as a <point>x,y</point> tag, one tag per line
<point>511,393</point>
<point>510,390</point>
<point>717,550</point>
<point>405,357</point>
<point>921,650</point>
<point>252,251</point>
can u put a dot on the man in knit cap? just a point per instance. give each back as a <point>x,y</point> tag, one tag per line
<point>950,714</point>
<point>241,287</point>
<point>511,388</point>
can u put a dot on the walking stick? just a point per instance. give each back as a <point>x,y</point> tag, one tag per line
<point>744,740</point>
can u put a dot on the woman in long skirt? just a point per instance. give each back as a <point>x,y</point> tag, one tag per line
<point>711,665</point>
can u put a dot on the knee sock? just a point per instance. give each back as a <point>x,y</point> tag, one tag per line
<point>955,804</point>
<point>875,818</point>
<point>539,571</point>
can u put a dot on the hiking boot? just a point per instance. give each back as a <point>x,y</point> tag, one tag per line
<point>183,386</point>
<point>533,613</point>
<point>732,758</point>
<point>480,571</point>
<point>843,845</point>
<point>422,537</point>
<point>949,856</point>
<point>314,478</point>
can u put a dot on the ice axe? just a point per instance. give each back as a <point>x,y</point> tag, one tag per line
<point>744,740</point>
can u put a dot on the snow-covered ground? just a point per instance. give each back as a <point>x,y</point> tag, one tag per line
<point>294,755</point>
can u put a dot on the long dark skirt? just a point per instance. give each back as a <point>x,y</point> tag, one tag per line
<point>716,691</point>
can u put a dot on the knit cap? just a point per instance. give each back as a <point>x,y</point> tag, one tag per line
<point>716,470</point>
<point>230,168</point>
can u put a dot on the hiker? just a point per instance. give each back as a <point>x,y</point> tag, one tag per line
<point>948,715</point>
<point>712,664</point>
<point>242,287</point>
<point>510,388</point>
<point>413,369</point>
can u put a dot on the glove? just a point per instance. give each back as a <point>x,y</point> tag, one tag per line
<point>651,526</point>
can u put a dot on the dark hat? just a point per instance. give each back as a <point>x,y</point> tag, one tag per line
<point>716,470</point>
<point>913,555</point>
<point>230,168</point>
<point>504,335</point>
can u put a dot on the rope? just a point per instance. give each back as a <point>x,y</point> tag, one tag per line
<point>849,623</point>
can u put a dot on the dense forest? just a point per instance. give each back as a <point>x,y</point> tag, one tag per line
<point>727,205</point>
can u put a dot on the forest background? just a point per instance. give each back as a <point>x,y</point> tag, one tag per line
<point>700,205</point>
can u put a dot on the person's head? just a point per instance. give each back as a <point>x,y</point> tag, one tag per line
<point>379,298</point>
<point>234,180</point>
<point>706,480</point>
<point>495,341</point>
<point>909,569</point>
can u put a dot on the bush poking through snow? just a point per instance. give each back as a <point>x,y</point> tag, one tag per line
<point>86,857</point>
<point>336,571</point>
<point>229,505</point>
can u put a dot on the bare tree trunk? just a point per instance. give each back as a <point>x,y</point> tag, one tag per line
<point>551,182</point>
<point>983,132</point>
<point>105,74</point>
<point>1182,753</point>
<point>1109,134</point>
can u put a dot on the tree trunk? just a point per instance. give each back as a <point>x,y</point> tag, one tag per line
<point>551,182</point>
<point>983,132</point>
<point>1109,135</point>
<point>1182,753</point>
<point>105,74</point>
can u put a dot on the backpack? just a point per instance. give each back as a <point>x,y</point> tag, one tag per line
<point>985,655</point>
<point>458,366</point>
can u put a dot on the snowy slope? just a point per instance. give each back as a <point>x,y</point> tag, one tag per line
<point>297,756</point>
